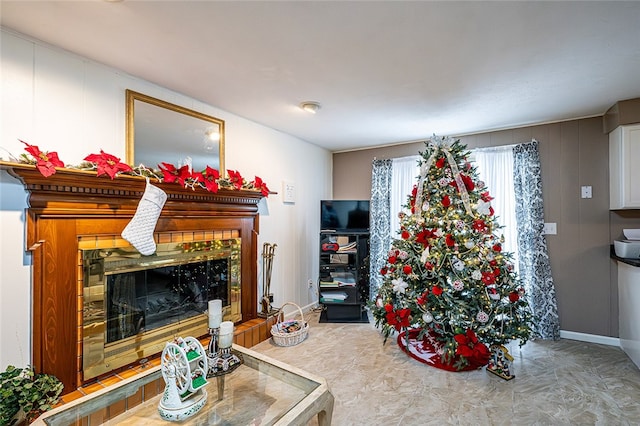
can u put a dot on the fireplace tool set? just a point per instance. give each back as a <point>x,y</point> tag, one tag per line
<point>268,252</point>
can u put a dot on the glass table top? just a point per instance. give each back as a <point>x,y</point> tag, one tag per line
<point>262,391</point>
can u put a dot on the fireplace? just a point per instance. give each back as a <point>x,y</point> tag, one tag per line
<point>80,265</point>
<point>134,304</point>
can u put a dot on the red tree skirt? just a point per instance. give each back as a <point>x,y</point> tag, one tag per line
<point>424,351</point>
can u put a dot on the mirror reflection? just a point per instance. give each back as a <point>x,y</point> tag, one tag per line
<point>159,131</point>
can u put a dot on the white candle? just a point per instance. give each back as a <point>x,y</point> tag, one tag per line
<point>215,313</point>
<point>226,334</point>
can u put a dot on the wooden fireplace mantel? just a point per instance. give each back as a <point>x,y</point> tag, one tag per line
<point>74,204</point>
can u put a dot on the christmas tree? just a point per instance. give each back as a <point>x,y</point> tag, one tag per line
<point>447,283</point>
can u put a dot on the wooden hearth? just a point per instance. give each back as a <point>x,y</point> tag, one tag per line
<point>74,208</point>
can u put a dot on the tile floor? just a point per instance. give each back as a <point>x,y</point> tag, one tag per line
<point>565,382</point>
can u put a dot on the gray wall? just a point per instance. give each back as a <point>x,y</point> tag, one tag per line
<point>572,153</point>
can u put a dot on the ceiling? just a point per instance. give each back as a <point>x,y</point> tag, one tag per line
<point>384,72</point>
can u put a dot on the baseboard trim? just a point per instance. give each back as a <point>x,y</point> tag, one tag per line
<point>305,309</point>
<point>591,338</point>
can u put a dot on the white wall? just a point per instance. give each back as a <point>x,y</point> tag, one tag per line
<point>69,104</point>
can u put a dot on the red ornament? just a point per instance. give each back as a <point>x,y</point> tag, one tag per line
<point>407,269</point>
<point>440,162</point>
<point>405,235</point>
<point>393,260</point>
<point>437,291</point>
<point>514,297</point>
<point>488,278</point>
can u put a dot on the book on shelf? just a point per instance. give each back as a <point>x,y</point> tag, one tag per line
<point>347,247</point>
<point>337,284</point>
<point>333,296</point>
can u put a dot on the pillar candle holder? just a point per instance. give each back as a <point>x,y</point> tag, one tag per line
<point>221,360</point>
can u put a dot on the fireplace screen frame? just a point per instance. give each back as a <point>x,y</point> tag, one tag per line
<point>99,356</point>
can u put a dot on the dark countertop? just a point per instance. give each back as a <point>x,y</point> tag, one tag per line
<point>632,262</point>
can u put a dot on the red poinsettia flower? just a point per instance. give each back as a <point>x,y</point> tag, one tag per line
<point>399,318</point>
<point>46,162</point>
<point>171,174</point>
<point>211,177</point>
<point>259,184</point>
<point>440,162</point>
<point>485,196</point>
<point>514,296</point>
<point>235,178</point>
<point>405,234</point>
<point>488,278</point>
<point>422,299</point>
<point>407,269</point>
<point>437,291</point>
<point>196,178</point>
<point>471,348</point>
<point>446,201</point>
<point>450,241</point>
<point>423,237</point>
<point>466,180</point>
<point>107,164</point>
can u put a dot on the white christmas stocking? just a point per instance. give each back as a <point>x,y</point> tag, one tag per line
<point>139,232</point>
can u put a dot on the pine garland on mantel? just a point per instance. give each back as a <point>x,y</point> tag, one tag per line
<point>209,179</point>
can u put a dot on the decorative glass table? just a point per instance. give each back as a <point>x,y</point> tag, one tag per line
<point>262,391</point>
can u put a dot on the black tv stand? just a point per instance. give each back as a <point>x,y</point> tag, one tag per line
<point>343,283</point>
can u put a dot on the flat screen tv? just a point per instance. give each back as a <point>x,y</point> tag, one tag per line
<point>344,215</point>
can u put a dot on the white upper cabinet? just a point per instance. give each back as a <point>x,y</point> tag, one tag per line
<point>624,167</point>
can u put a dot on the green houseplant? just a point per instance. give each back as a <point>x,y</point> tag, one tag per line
<point>25,393</point>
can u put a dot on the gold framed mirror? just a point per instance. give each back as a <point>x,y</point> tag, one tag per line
<point>161,132</point>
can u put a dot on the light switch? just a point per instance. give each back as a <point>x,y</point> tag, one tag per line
<point>586,192</point>
<point>288,192</point>
<point>550,228</point>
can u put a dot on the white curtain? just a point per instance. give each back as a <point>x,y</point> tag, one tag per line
<point>495,169</point>
<point>404,175</point>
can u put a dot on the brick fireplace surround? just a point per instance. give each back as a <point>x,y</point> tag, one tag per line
<point>74,209</point>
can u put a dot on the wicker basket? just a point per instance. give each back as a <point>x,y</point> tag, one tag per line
<point>290,332</point>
